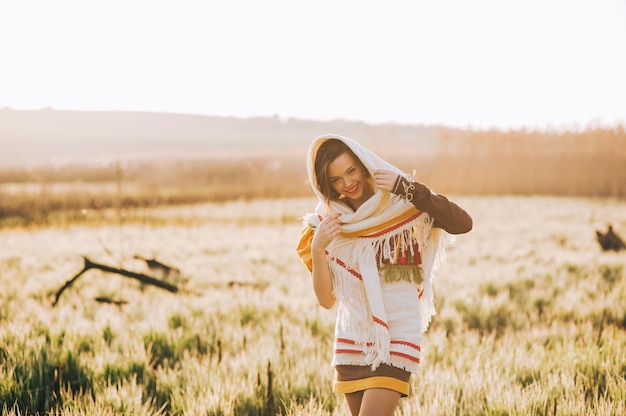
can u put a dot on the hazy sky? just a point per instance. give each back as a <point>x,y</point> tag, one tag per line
<point>482,63</point>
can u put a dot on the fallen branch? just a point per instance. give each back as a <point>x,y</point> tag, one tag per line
<point>105,299</point>
<point>108,269</point>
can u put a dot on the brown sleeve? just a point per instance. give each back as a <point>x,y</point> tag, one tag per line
<point>448,215</point>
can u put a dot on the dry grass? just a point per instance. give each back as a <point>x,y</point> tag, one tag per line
<point>531,321</point>
<point>81,194</point>
<point>587,163</point>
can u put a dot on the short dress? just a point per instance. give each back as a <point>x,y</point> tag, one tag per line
<point>350,378</point>
<point>353,378</point>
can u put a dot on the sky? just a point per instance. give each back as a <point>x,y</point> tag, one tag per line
<point>460,63</point>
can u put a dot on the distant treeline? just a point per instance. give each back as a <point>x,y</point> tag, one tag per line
<point>588,163</point>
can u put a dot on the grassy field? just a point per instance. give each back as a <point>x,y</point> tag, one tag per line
<point>531,315</point>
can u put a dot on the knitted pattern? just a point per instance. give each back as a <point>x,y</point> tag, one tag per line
<point>377,321</point>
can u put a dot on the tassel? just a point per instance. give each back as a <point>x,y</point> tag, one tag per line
<point>377,352</point>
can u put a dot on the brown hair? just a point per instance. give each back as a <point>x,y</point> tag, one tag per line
<point>328,151</point>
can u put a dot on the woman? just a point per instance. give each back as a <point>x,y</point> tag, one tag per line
<point>373,244</point>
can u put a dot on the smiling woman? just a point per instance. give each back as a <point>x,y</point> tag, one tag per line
<point>351,180</point>
<point>373,244</point>
<point>342,175</point>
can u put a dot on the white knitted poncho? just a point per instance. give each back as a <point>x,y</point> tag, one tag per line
<point>377,321</point>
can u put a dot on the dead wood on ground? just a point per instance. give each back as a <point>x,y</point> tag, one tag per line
<point>108,269</point>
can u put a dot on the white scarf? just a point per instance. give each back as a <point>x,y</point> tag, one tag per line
<point>366,232</point>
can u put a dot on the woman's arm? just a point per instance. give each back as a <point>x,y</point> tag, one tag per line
<point>322,279</point>
<point>448,215</point>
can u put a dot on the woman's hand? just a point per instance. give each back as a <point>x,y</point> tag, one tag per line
<point>385,179</point>
<point>326,231</point>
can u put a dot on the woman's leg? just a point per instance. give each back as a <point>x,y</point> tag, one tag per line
<point>378,402</point>
<point>354,402</point>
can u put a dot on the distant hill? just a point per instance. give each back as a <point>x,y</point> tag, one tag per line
<point>66,146</point>
<point>41,136</point>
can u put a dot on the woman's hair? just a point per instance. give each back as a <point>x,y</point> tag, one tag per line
<point>328,151</point>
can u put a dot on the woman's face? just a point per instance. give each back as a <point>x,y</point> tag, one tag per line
<point>348,178</point>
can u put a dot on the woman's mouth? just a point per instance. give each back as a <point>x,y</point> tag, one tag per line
<point>353,189</point>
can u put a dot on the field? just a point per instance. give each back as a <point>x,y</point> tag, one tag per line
<point>531,314</point>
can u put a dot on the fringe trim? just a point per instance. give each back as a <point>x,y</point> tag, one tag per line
<point>378,352</point>
<point>401,273</point>
<point>357,278</point>
<point>433,255</point>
